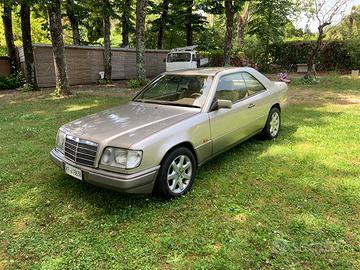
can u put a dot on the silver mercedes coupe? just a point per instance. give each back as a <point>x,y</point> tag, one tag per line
<point>179,121</point>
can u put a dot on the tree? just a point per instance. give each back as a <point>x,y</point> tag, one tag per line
<point>176,23</point>
<point>54,12</point>
<point>163,22</point>
<point>126,23</point>
<point>107,47</point>
<point>241,23</point>
<point>324,12</point>
<point>268,24</point>
<point>188,22</point>
<point>229,12</point>
<point>30,73</point>
<point>70,11</point>
<point>9,36</point>
<point>140,40</point>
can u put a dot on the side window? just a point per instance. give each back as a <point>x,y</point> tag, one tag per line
<point>231,87</point>
<point>252,85</point>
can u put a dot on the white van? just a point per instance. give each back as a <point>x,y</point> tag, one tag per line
<point>184,58</point>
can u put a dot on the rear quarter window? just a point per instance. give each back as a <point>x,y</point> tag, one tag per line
<point>253,86</point>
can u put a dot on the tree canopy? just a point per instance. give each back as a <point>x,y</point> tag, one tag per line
<point>175,23</point>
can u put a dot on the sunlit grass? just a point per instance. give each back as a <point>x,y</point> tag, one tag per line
<point>291,203</point>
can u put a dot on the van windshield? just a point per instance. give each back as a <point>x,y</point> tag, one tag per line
<point>177,90</point>
<point>179,57</point>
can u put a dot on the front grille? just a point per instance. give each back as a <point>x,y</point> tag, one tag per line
<point>80,151</point>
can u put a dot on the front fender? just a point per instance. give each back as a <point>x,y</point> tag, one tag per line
<point>194,130</point>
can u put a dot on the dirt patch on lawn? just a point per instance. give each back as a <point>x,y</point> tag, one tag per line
<point>313,97</point>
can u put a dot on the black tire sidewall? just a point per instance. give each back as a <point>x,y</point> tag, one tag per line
<point>267,127</point>
<point>161,183</point>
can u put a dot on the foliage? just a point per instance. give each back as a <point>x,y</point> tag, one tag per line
<point>353,47</point>
<point>39,33</point>
<point>333,55</point>
<point>104,81</point>
<point>176,23</point>
<point>216,58</point>
<point>306,80</point>
<point>291,203</point>
<point>136,83</point>
<point>12,81</point>
<point>3,51</point>
<point>27,87</point>
<point>348,30</point>
<point>268,24</point>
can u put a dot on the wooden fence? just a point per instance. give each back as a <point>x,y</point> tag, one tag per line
<point>4,66</point>
<point>84,63</point>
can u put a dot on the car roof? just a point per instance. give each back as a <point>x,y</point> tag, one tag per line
<point>212,71</point>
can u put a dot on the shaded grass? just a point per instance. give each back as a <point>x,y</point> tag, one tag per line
<point>291,203</point>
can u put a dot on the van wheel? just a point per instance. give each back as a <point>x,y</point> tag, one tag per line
<point>177,173</point>
<point>273,124</point>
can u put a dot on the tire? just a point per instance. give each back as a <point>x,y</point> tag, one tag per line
<point>176,174</point>
<point>273,124</point>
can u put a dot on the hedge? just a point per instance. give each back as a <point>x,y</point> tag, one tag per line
<point>334,55</point>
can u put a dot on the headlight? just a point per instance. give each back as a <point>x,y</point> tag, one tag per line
<point>60,140</point>
<point>121,158</point>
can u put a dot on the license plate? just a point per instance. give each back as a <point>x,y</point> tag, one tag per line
<point>74,172</point>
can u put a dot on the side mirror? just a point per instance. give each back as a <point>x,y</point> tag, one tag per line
<point>220,104</point>
<point>224,104</point>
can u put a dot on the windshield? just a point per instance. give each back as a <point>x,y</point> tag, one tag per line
<point>179,57</point>
<point>177,90</point>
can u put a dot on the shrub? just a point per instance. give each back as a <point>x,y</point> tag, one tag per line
<point>334,55</point>
<point>104,81</point>
<point>353,46</point>
<point>136,83</point>
<point>12,81</point>
<point>27,87</point>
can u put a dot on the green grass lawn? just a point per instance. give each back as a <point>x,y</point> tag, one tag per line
<point>290,203</point>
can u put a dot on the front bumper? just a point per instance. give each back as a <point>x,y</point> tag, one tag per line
<point>141,182</point>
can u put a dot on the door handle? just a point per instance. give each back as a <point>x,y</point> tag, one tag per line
<point>251,105</point>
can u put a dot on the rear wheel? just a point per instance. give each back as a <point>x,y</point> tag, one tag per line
<point>177,173</point>
<point>273,124</point>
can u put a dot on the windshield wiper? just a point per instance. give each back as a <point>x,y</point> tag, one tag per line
<point>166,103</point>
<point>180,104</point>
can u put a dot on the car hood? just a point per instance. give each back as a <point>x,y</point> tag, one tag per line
<point>127,124</point>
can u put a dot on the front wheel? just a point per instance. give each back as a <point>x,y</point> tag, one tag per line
<point>177,173</point>
<point>273,123</point>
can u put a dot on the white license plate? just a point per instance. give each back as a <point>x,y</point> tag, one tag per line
<point>74,172</point>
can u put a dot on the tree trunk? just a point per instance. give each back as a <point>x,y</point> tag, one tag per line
<point>73,21</point>
<point>140,39</point>
<point>125,20</point>
<point>163,21</point>
<point>30,74</point>
<point>107,47</point>
<point>62,84</point>
<point>229,12</point>
<point>241,23</point>
<point>315,52</point>
<point>9,37</point>
<point>268,27</point>
<point>188,24</point>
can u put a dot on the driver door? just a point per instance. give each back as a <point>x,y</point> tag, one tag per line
<point>229,126</point>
